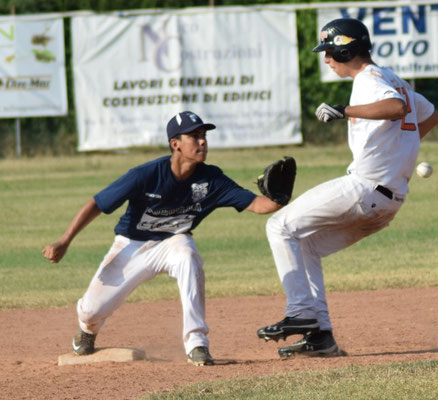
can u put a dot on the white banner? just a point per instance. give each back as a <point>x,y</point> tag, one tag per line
<point>32,68</point>
<point>234,67</point>
<point>404,38</point>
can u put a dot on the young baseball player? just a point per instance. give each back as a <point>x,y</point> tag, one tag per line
<point>167,198</point>
<point>386,120</point>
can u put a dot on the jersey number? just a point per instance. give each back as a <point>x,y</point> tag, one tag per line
<point>406,126</point>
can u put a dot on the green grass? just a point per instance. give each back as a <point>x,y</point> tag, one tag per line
<point>40,196</point>
<point>409,381</point>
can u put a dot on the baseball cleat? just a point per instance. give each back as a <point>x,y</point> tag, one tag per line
<point>200,356</point>
<point>320,343</point>
<point>83,343</point>
<point>286,327</point>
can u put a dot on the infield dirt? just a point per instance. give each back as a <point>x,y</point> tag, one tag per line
<point>372,327</point>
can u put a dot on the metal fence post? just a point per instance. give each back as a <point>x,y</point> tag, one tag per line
<point>18,137</point>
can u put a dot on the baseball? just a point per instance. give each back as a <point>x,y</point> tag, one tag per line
<point>424,169</point>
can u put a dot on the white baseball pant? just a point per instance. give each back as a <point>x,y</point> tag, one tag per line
<point>130,263</point>
<point>323,220</point>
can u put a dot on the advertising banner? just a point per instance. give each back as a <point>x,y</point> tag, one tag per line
<point>32,68</point>
<point>234,67</point>
<point>404,38</point>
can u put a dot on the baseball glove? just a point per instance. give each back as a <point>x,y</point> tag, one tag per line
<point>277,181</point>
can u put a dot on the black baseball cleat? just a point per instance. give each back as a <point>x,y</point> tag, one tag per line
<point>320,343</point>
<point>288,326</point>
<point>200,356</point>
<point>83,343</point>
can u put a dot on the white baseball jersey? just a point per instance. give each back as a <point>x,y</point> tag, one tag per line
<point>385,151</point>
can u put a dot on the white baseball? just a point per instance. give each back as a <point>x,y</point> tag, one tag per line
<point>424,169</point>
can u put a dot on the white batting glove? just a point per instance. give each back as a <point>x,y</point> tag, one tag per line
<point>326,112</point>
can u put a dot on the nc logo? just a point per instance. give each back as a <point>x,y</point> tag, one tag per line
<point>163,48</point>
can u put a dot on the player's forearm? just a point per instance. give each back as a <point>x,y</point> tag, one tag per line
<point>84,216</point>
<point>426,126</point>
<point>388,109</point>
<point>263,205</point>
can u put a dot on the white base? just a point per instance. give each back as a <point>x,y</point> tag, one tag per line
<point>104,354</point>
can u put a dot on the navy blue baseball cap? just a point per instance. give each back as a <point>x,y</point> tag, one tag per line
<point>186,122</point>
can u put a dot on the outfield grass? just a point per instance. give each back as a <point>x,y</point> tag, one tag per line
<point>408,381</point>
<point>40,196</point>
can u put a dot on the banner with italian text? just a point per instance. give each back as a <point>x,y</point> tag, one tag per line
<point>403,37</point>
<point>235,67</point>
<point>32,68</point>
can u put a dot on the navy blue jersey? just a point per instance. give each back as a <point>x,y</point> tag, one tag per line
<point>160,206</point>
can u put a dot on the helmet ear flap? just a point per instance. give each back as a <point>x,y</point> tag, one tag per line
<point>343,55</point>
<point>344,52</point>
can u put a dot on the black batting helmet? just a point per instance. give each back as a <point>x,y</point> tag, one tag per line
<point>346,37</point>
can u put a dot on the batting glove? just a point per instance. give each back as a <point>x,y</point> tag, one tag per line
<point>326,112</point>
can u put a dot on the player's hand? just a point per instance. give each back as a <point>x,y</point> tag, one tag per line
<point>54,252</point>
<point>326,112</point>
